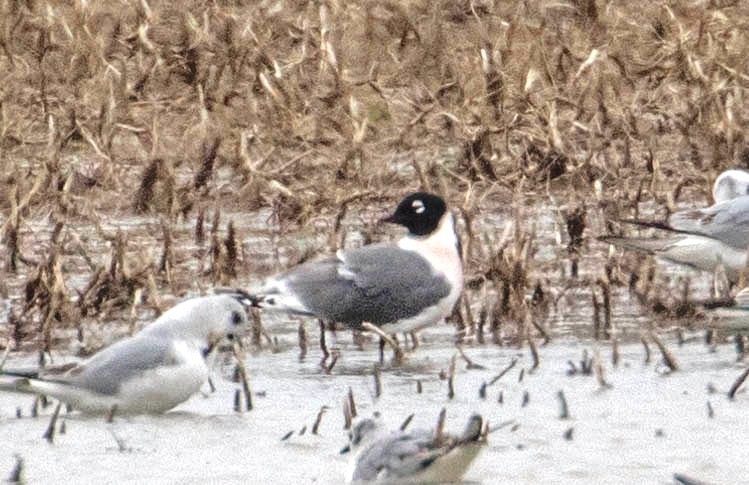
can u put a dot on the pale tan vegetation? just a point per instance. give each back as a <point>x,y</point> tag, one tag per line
<point>180,111</point>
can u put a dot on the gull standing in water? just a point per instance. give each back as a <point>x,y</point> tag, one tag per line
<point>151,372</point>
<point>396,287</point>
<point>704,238</point>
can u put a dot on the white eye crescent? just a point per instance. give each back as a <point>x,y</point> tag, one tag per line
<point>418,206</point>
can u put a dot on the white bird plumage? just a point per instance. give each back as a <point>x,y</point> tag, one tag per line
<point>704,238</point>
<point>397,287</point>
<point>150,372</point>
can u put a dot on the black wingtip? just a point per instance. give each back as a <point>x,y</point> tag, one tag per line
<point>240,295</point>
<point>21,373</point>
<point>653,224</point>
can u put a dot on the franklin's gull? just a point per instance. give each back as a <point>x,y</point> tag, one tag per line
<point>153,371</point>
<point>397,287</point>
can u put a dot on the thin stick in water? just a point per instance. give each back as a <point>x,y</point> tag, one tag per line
<point>243,376</point>
<point>302,341</point>
<point>8,346</point>
<point>406,422</point>
<point>323,345</point>
<point>377,381</point>
<point>49,435</point>
<point>16,474</point>
<point>237,401</point>
<point>351,403</point>
<point>647,349</point>
<point>668,358</point>
<point>439,431</point>
<point>316,426</point>
<point>565,411</point>
<point>504,371</point>
<point>737,383</point>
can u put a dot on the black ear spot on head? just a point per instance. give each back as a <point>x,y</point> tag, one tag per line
<point>420,212</point>
<point>236,318</point>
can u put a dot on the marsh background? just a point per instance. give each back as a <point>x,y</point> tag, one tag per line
<point>152,150</point>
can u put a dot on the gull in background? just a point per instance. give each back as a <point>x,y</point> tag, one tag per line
<point>396,287</point>
<point>419,456</point>
<point>703,238</point>
<point>151,372</point>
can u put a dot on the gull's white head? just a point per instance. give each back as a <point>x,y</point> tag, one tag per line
<point>730,184</point>
<point>203,319</point>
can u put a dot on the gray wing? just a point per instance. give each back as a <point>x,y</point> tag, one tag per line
<point>727,222</point>
<point>378,284</point>
<point>398,455</point>
<point>107,370</point>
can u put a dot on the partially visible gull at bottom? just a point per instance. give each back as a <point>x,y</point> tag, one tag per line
<point>419,456</point>
<point>151,372</point>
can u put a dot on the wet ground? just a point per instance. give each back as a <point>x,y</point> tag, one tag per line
<point>642,426</point>
<point>646,425</point>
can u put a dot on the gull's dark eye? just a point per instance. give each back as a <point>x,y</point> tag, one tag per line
<point>236,318</point>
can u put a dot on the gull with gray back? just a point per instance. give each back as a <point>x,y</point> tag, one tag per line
<point>398,287</point>
<point>703,238</point>
<point>155,370</point>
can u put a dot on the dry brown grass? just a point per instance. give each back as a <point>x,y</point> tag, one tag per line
<point>177,110</point>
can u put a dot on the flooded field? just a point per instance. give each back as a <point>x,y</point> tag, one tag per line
<point>644,427</point>
<point>151,151</point>
<point>631,422</point>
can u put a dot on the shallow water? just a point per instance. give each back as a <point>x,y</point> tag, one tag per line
<point>647,426</point>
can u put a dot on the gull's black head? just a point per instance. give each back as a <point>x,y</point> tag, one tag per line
<point>420,212</point>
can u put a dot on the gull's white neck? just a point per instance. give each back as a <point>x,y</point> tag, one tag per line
<point>440,248</point>
<point>443,239</point>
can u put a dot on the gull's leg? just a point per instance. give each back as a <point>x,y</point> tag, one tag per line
<point>414,340</point>
<point>323,345</point>
<point>397,351</point>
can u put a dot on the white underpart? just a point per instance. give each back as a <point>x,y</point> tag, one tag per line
<point>730,184</point>
<point>440,249</point>
<point>448,468</point>
<point>152,391</point>
<point>705,254</point>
